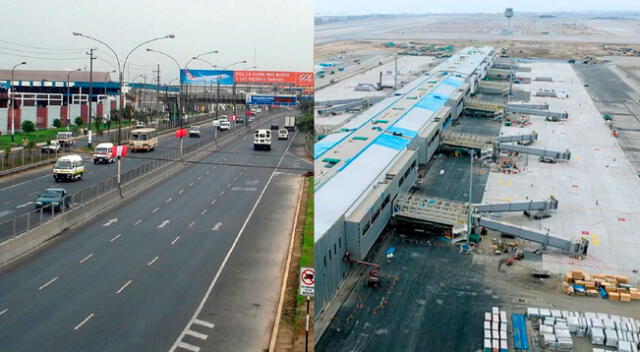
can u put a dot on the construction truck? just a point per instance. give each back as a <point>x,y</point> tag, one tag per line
<point>290,123</point>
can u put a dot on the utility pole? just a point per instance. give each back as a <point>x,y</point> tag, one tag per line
<point>91,58</point>
<point>395,73</point>
<point>158,87</point>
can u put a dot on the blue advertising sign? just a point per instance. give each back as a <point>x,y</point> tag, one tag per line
<point>272,100</point>
<point>206,77</point>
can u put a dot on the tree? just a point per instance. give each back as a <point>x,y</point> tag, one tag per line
<point>304,123</point>
<point>28,126</point>
<point>78,121</point>
<point>98,125</point>
<point>57,123</point>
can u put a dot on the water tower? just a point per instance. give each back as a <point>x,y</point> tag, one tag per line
<point>508,13</point>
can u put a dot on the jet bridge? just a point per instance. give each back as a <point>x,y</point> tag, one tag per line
<point>498,147</point>
<point>410,206</point>
<point>549,115</point>
<point>525,139</point>
<point>578,246</point>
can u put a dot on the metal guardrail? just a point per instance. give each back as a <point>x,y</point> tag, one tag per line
<point>18,156</point>
<point>26,222</point>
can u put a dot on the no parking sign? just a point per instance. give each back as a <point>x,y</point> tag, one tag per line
<point>307,281</point>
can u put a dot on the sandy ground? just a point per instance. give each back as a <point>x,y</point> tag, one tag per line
<point>482,27</point>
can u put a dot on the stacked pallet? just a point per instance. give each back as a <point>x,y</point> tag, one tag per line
<point>612,331</point>
<point>613,287</point>
<point>495,331</point>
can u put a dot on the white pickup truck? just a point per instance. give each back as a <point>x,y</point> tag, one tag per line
<point>52,147</point>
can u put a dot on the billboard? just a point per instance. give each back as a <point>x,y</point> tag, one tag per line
<point>206,77</point>
<point>299,79</point>
<point>261,99</point>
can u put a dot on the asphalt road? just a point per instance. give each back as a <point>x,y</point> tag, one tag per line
<point>200,255</point>
<point>18,194</point>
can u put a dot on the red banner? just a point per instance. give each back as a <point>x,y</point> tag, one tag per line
<point>181,133</point>
<point>298,79</point>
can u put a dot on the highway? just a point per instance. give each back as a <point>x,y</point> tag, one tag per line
<point>18,193</point>
<point>194,263</point>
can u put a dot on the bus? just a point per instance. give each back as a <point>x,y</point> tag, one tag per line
<point>143,139</point>
<point>262,139</point>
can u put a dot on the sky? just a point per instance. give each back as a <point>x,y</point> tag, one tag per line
<point>468,6</point>
<point>271,35</point>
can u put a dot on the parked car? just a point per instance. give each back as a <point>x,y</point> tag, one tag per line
<point>66,139</point>
<point>194,131</point>
<point>57,198</point>
<point>52,147</point>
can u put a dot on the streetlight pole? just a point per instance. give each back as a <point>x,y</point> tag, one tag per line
<point>91,58</point>
<point>69,97</point>
<point>121,77</point>
<point>9,95</point>
<point>469,219</point>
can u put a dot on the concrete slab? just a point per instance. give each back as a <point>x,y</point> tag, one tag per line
<point>598,190</point>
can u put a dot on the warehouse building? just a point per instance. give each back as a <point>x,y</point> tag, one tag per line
<point>362,167</point>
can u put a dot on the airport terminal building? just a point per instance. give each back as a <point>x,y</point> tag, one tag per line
<point>363,166</point>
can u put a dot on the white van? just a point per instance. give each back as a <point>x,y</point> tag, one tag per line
<point>224,125</point>
<point>68,167</point>
<point>283,133</point>
<point>102,154</point>
<point>262,139</point>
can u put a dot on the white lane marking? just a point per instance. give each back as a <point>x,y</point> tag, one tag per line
<point>221,193</point>
<point>111,221</point>
<point>180,191</point>
<point>24,205</point>
<point>154,210</point>
<point>199,177</point>
<point>241,172</point>
<point>203,212</point>
<point>152,261</point>
<point>168,200</point>
<point>84,321</point>
<point>22,183</point>
<point>163,224</point>
<point>189,347</point>
<point>235,179</point>
<point>175,240</point>
<point>207,172</point>
<point>245,169</point>
<point>196,334</point>
<point>4,311</point>
<point>115,238</point>
<point>214,201</point>
<point>48,283</point>
<point>191,224</point>
<point>204,323</point>
<point>86,258</point>
<point>33,193</point>
<point>191,184</point>
<point>137,222</point>
<point>123,287</point>
<point>216,227</point>
<point>198,310</point>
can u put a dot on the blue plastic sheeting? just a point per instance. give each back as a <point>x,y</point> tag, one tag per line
<point>405,132</point>
<point>328,142</point>
<point>431,102</point>
<point>520,339</point>
<point>453,81</point>
<point>393,142</point>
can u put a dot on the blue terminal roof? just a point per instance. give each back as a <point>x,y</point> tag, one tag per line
<point>351,161</point>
